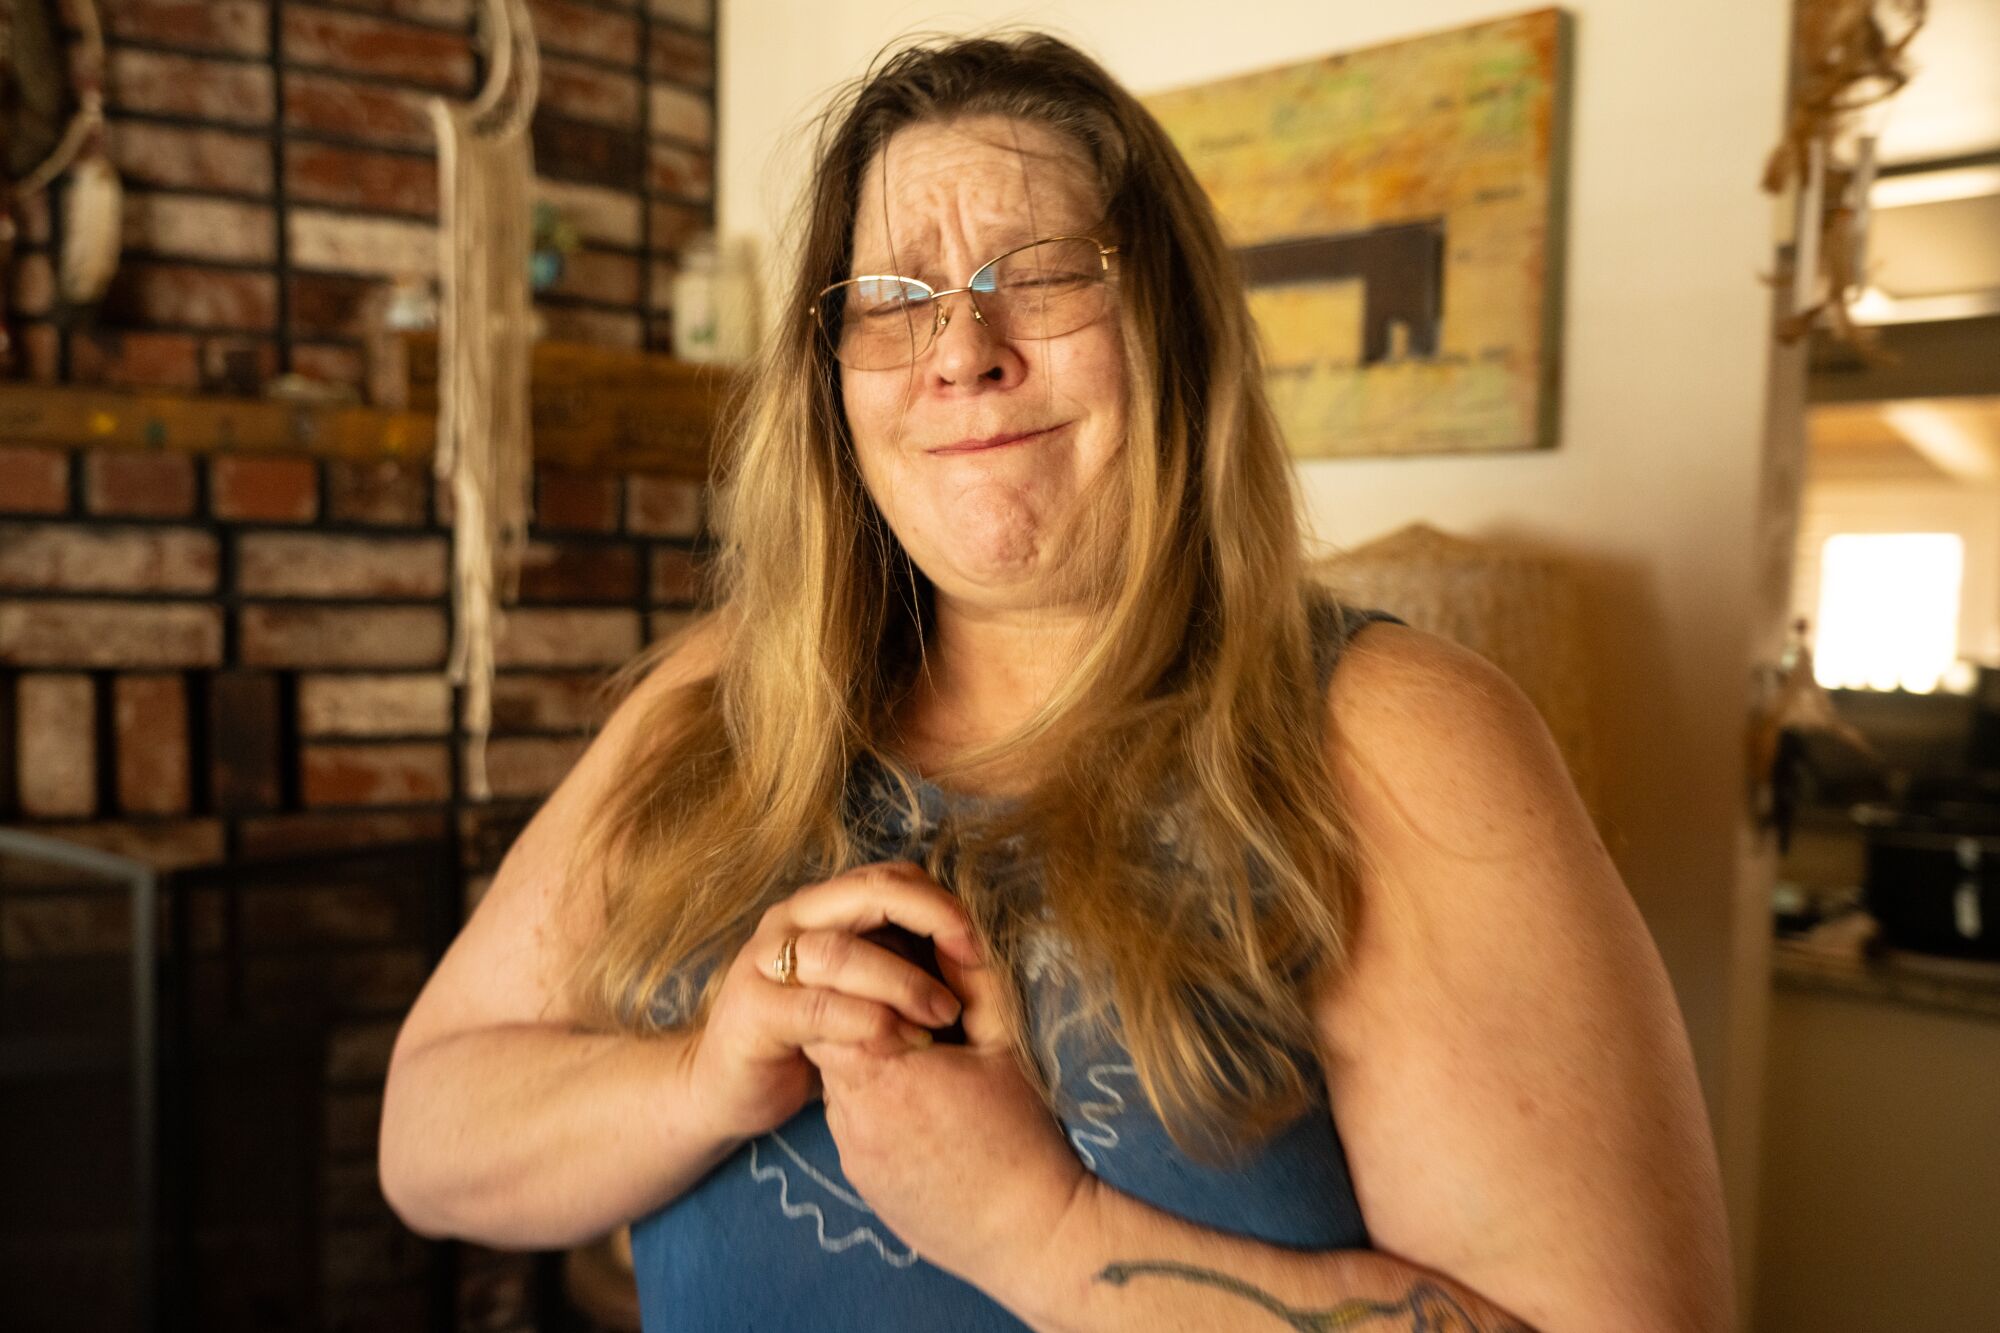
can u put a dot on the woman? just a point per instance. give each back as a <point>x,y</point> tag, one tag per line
<point>1001,913</point>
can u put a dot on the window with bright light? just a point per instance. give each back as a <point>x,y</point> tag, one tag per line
<point>1888,610</point>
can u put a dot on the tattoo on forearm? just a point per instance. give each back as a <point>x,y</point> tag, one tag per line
<point>1427,1308</point>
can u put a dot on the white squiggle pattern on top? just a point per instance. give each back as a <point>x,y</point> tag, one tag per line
<point>1106,1137</point>
<point>831,1245</point>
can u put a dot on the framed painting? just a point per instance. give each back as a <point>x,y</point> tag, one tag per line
<point>1397,212</point>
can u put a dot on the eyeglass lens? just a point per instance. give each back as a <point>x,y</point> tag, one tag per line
<point>1040,291</point>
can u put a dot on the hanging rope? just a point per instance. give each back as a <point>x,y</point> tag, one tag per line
<point>485,338</point>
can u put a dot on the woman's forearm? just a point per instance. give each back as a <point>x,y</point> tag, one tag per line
<point>1118,1263</point>
<point>540,1137</point>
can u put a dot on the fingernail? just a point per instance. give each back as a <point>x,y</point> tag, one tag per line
<point>916,1036</point>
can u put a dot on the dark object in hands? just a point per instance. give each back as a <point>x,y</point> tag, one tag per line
<point>920,950</point>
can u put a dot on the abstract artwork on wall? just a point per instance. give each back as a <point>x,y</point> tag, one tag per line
<point>1397,213</point>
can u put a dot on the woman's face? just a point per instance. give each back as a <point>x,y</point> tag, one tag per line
<point>985,524</point>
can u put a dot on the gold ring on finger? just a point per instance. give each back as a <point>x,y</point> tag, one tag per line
<point>788,961</point>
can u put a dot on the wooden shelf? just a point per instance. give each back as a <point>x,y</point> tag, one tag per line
<point>595,408</point>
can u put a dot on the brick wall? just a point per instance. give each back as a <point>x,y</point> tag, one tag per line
<point>280,164</point>
<point>224,657</point>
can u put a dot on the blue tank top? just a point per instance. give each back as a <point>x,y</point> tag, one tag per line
<point>774,1238</point>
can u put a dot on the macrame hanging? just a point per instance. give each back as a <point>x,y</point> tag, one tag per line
<point>1848,55</point>
<point>485,337</point>
<point>34,70</point>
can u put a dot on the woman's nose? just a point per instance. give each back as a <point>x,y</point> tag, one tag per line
<point>967,347</point>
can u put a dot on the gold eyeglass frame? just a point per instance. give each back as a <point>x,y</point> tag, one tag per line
<point>939,318</point>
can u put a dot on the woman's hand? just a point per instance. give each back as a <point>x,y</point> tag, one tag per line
<point>950,1145</point>
<point>747,1059</point>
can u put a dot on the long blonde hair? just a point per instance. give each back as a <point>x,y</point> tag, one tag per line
<point>1193,714</point>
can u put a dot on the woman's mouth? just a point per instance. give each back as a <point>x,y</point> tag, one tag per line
<point>977,446</point>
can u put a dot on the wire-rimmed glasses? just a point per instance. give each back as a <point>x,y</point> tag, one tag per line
<point>1044,289</point>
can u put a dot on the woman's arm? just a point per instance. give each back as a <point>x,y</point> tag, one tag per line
<point>1117,1263</point>
<point>503,1123</point>
<point>1505,1062</point>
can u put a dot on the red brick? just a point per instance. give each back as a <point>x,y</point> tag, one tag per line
<point>248,488</point>
<point>665,624</point>
<point>356,705</point>
<point>241,366</point>
<point>532,637</point>
<point>589,92</point>
<point>327,104</point>
<point>696,14</point>
<point>42,926</point>
<point>134,359</point>
<point>330,363</point>
<point>330,914</point>
<point>574,150</point>
<point>606,328</point>
<point>33,290</point>
<point>299,564</point>
<point>677,170</point>
<point>585,30</point>
<point>319,636</point>
<point>599,275</point>
<point>152,722</point>
<point>526,766</point>
<point>676,575</point>
<point>319,239</point>
<point>50,632</point>
<point>184,294</point>
<point>357,178</point>
<point>34,219</point>
<point>130,485</point>
<point>231,27</point>
<point>607,216</point>
<point>393,774</point>
<point>56,747</point>
<point>681,113</point>
<point>33,480</point>
<point>576,500</point>
<point>362,44</point>
<point>186,227</point>
<point>330,304</point>
<point>385,493</point>
<point>670,227</point>
<point>231,91</point>
<point>280,835</point>
<point>147,153</point>
<point>41,353</point>
<point>662,506</point>
<point>442,13</point>
<point>579,572</point>
<point>485,832</point>
<point>557,701</point>
<point>681,57</point>
<point>68,557</point>
<point>246,743</point>
<point>164,844</point>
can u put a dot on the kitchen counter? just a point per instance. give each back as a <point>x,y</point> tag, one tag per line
<point>1842,956</point>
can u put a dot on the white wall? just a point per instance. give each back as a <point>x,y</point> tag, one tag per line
<point>1666,364</point>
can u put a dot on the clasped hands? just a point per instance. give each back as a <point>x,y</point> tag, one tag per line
<point>950,1145</point>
